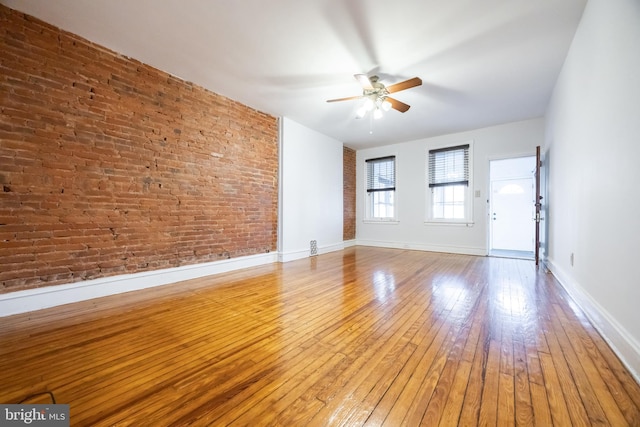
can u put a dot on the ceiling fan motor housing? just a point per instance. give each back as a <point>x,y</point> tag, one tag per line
<point>379,91</point>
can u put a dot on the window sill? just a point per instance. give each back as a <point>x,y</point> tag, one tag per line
<point>381,221</point>
<point>450,223</point>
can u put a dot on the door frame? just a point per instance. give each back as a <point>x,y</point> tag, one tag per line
<point>536,201</point>
<point>542,206</point>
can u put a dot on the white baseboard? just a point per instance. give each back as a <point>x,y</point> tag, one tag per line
<point>618,338</point>
<point>306,253</point>
<point>463,250</point>
<point>350,243</point>
<point>331,248</point>
<point>51,296</point>
<point>293,255</point>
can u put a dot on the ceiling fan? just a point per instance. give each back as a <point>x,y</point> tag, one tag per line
<point>376,95</point>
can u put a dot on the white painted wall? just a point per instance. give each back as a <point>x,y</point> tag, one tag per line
<point>593,147</point>
<point>310,191</point>
<point>508,140</point>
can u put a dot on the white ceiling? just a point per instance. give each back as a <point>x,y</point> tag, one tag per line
<point>482,62</point>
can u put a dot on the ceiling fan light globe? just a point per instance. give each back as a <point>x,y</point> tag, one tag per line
<point>386,105</point>
<point>361,112</point>
<point>368,104</point>
<point>377,114</point>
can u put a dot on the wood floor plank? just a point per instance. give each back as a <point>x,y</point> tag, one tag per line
<point>603,365</point>
<point>455,399</point>
<point>522,389</point>
<point>570,390</point>
<point>582,372</point>
<point>506,401</point>
<point>473,394</point>
<point>421,342</point>
<point>596,395</point>
<point>336,409</point>
<point>436,385</point>
<point>374,387</point>
<point>365,336</point>
<point>278,395</point>
<point>470,412</point>
<point>489,403</point>
<point>429,358</point>
<point>557,404</point>
<point>540,404</point>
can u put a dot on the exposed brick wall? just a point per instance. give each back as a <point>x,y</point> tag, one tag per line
<point>109,166</point>
<point>349,191</point>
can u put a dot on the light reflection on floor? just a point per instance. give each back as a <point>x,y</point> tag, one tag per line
<point>447,290</point>
<point>384,284</point>
<point>511,298</point>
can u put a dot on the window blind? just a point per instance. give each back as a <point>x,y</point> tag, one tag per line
<point>381,174</point>
<point>449,166</point>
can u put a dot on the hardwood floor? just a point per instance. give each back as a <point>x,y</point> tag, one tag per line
<point>366,336</point>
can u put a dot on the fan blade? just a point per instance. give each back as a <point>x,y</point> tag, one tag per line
<point>364,81</point>
<point>397,105</point>
<point>344,99</point>
<point>404,85</point>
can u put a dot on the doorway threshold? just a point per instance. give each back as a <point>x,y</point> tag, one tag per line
<point>505,253</point>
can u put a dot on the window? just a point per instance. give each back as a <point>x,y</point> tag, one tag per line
<point>448,179</point>
<point>381,188</point>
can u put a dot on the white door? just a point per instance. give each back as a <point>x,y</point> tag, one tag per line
<point>511,214</point>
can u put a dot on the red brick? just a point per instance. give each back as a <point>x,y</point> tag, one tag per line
<point>349,193</point>
<point>114,167</point>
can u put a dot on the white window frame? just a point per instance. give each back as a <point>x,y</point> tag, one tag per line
<point>369,196</point>
<point>468,191</point>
